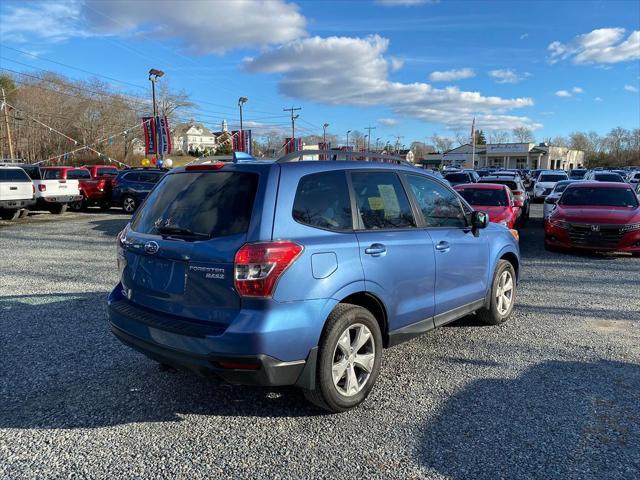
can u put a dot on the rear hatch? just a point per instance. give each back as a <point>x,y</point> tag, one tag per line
<point>52,185</point>
<point>15,184</point>
<point>177,254</point>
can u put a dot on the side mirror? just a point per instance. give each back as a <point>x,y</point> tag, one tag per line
<point>479,220</point>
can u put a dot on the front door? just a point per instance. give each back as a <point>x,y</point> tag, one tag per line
<point>397,256</point>
<point>461,258</point>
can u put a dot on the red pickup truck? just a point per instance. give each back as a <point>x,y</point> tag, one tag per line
<point>94,191</point>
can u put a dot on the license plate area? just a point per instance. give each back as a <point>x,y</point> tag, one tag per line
<point>158,274</point>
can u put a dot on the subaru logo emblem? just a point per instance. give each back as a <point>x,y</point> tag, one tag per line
<point>595,228</point>
<point>151,247</point>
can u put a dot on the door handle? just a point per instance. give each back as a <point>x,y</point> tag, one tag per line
<point>375,249</point>
<point>443,246</point>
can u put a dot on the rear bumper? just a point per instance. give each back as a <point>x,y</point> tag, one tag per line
<point>16,204</point>
<point>61,199</point>
<point>272,347</point>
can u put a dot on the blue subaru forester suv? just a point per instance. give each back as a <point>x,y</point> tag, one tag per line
<point>301,272</point>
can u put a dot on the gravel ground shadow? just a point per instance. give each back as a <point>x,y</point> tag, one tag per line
<point>109,226</point>
<point>60,367</point>
<point>556,420</point>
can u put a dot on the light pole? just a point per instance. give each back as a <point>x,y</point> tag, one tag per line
<point>154,74</point>
<point>377,141</point>
<point>348,132</point>
<point>241,102</point>
<point>365,141</point>
<point>324,134</point>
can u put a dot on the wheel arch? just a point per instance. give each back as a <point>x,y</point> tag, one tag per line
<point>374,305</point>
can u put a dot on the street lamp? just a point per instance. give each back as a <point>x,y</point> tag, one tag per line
<point>154,74</point>
<point>241,102</point>
<point>324,134</point>
<point>348,132</point>
<point>377,141</point>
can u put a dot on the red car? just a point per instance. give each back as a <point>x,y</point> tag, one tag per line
<point>496,200</point>
<point>596,216</point>
<point>94,191</point>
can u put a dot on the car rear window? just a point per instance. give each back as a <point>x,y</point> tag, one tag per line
<point>215,204</point>
<point>107,172</point>
<point>13,175</point>
<point>551,178</point>
<point>509,183</point>
<point>606,197</point>
<point>322,200</point>
<point>457,177</point>
<point>485,197</point>
<point>78,174</point>
<point>131,177</point>
<point>33,172</point>
<point>561,187</point>
<point>608,177</point>
<point>52,174</point>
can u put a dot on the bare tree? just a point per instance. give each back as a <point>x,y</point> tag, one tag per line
<point>443,144</point>
<point>522,135</point>
<point>499,136</point>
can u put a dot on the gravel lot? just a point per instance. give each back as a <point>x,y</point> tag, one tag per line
<point>552,394</point>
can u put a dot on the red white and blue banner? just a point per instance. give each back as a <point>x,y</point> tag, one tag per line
<point>292,145</point>
<point>242,141</point>
<point>164,135</point>
<point>324,146</point>
<point>149,126</point>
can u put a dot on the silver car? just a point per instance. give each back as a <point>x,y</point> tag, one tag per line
<point>554,196</point>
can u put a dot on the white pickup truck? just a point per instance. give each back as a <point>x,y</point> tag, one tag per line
<point>52,194</point>
<point>16,192</point>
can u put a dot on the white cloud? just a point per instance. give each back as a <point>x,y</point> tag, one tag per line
<point>202,27</point>
<point>314,69</point>
<point>597,99</point>
<point>388,122</point>
<point>603,45</point>
<point>562,93</point>
<point>508,76</point>
<point>52,22</point>
<point>396,64</point>
<point>523,36</point>
<point>577,90</point>
<point>631,88</point>
<point>451,75</point>
<point>404,3</point>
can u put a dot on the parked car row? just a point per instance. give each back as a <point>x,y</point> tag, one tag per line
<point>55,189</point>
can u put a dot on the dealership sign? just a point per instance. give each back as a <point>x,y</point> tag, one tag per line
<point>157,136</point>
<point>508,148</point>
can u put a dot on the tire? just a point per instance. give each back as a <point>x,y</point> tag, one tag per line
<point>129,204</point>
<point>497,313</point>
<point>9,215</point>
<point>78,206</point>
<point>356,382</point>
<point>58,208</point>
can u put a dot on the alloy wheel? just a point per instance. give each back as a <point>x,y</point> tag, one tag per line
<point>129,205</point>
<point>504,293</point>
<point>353,359</point>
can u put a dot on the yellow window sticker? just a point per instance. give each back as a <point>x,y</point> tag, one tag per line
<point>390,201</point>
<point>375,203</point>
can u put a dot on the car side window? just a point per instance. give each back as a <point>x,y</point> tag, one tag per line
<point>132,177</point>
<point>322,200</point>
<point>381,201</point>
<point>440,206</point>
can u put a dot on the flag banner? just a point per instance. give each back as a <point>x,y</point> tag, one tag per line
<point>149,126</point>
<point>292,145</point>
<point>324,146</point>
<point>242,141</point>
<point>164,135</point>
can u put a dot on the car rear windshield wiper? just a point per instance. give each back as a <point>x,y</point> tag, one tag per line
<point>180,231</point>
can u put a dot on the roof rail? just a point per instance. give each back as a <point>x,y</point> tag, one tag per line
<point>238,156</point>
<point>323,155</point>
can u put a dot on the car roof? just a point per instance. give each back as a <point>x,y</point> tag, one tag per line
<point>499,177</point>
<point>481,186</point>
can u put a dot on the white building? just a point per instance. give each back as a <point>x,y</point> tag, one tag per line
<point>514,155</point>
<point>192,137</point>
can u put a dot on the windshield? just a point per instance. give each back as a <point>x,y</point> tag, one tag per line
<point>485,197</point>
<point>608,177</point>
<point>561,187</point>
<point>211,204</point>
<point>606,197</point>
<point>551,178</point>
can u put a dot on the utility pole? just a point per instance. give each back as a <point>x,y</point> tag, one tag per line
<point>348,132</point>
<point>398,137</point>
<point>241,102</point>
<point>369,137</point>
<point>324,134</point>
<point>6,123</point>
<point>293,120</point>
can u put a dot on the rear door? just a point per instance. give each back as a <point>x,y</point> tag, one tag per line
<point>190,274</point>
<point>56,183</point>
<point>15,184</point>
<point>461,259</point>
<point>397,256</point>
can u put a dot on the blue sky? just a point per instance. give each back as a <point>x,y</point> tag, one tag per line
<point>407,67</point>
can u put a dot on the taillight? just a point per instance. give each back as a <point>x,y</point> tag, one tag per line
<point>42,187</point>
<point>519,194</point>
<point>33,188</point>
<point>259,265</point>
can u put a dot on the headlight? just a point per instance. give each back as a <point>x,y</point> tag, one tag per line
<point>559,223</point>
<point>632,227</point>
